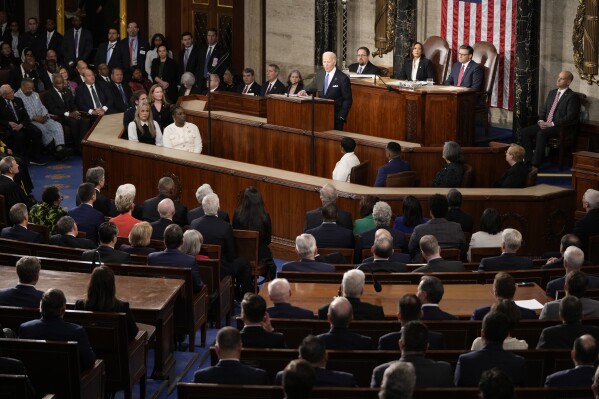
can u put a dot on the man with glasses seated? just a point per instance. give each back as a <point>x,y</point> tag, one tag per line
<point>465,72</point>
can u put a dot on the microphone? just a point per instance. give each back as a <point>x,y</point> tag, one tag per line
<point>375,282</point>
<point>387,86</point>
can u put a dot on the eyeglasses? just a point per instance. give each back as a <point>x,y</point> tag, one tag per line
<point>463,54</point>
<point>361,55</point>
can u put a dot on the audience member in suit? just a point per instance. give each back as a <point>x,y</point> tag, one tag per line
<point>364,66</point>
<point>77,42</point>
<point>566,241</point>
<point>409,309</point>
<point>382,215</point>
<point>21,135</point>
<point>298,379</point>
<point>448,234</point>
<point>66,235</point>
<point>329,234</point>
<point>249,86</point>
<point>331,83</point>
<point>495,330</point>
<point>217,231</point>
<point>575,285</point>
<point>431,253</point>
<point>352,288</point>
<point>382,249</point>
<point>417,68</point>
<point>511,239</point>
<point>572,261</point>
<point>212,58</point>
<point>339,315</point>
<point>465,72</point>
<point>272,85</point>
<point>188,56</point>
<point>134,47</point>
<point>328,195</point>
<point>295,83</point>
<point>166,209</point>
<point>52,327</point>
<point>495,383</point>
<point>172,255</point>
<point>102,74</point>
<point>46,72</point>
<point>7,59</point>
<point>198,212</point>
<point>455,213</point>
<point>166,189</point>
<point>109,52</point>
<point>24,294</point>
<point>588,225</point>
<point>517,174</point>
<point>584,355</point>
<point>121,93</point>
<point>164,73</point>
<point>313,350</point>
<point>507,307</point>
<point>212,84</point>
<point>229,369</point>
<point>27,70</point>
<point>87,218</point>
<point>19,217</point>
<point>413,344</point>
<point>563,335</point>
<point>14,37</point>
<point>395,164</point>
<point>430,292</point>
<point>279,293</point>
<point>561,110</point>
<point>95,105</point>
<point>452,171</point>
<point>97,177</point>
<point>188,85</point>
<point>504,287</point>
<point>105,253</point>
<point>305,246</point>
<point>13,193</point>
<point>139,240</point>
<point>257,331</point>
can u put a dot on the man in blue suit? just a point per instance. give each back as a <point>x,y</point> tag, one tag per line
<point>20,217</point>
<point>24,294</point>
<point>229,369</point>
<point>257,331</point>
<point>430,292</point>
<point>330,234</point>
<point>395,164</point>
<point>339,315</point>
<point>87,218</point>
<point>133,49</point>
<point>465,72</point>
<point>511,239</point>
<point>584,356</point>
<point>172,256</point>
<point>504,287</point>
<point>52,327</point>
<point>105,253</point>
<point>332,84</point>
<point>279,292</point>
<point>305,246</point>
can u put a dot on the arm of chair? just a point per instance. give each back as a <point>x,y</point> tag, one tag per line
<point>92,380</point>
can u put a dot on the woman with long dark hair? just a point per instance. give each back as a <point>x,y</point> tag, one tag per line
<point>101,297</point>
<point>489,234</point>
<point>412,216</point>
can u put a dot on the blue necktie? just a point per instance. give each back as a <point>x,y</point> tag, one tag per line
<point>207,61</point>
<point>11,110</point>
<point>326,83</point>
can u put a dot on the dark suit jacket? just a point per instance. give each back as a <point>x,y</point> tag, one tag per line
<point>461,217</point>
<point>429,373</point>
<point>397,257</point>
<point>369,68</point>
<point>192,61</point>
<point>255,88</point>
<point>332,235</point>
<point>563,335</point>
<point>231,372</point>
<point>88,220</point>
<point>307,265</point>
<point>556,264</point>
<point>567,111</point>
<point>342,338</point>
<point>84,101</point>
<point>150,211</point>
<point>288,311</point>
<point>195,89</point>
<point>383,265</point>
<point>471,365</point>
<point>314,219</point>
<point>394,165</point>
<point>505,261</point>
<point>514,177</point>
<point>198,212</point>
<point>115,58</point>
<point>142,48</point>
<point>435,313</point>
<point>55,44</point>
<point>362,310</point>
<point>16,77</point>
<point>6,116</point>
<point>436,341</point>
<point>158,228</point>
<point>65,240</point>
<point>169,74</point>
<point>20,233</point>
<point>448,234</point>
<point>339,90</point>
<point>425,70</point>
<point>576,377</point>
<point>558,285</point>
<point>13,194</point>
<point>277,88</point>
<point>441,265</point>
<point>174,257</point>
<point>473,76</point>
<point>216,231</point>
<point>22,295</point>
<point>367,239</point>
<point>137,250</point>
<point>107,255</point>
<point>215,58</point>
<point>58,105</point>
<point>258,337</point>
<point>55,328</point>
<point>117,99</point>
<point>586,227</point>
<point>85,45</point>
<point>479,313</point>
<point>326,378</point>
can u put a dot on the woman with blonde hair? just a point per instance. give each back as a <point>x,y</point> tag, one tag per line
<point>144,128</point>
<point>139,240</point>
<point>161,108</point>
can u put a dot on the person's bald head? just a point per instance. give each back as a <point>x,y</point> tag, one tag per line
<point>383,233</point>
<point>585,350</point>
<point>340,312</point>
<point>166,208</point>
<point>328,194</point>
<point>279,290</point>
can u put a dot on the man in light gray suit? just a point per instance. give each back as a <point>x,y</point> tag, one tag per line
<point>576,285</point>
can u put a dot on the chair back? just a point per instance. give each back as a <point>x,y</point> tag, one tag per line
<point>41,229</point>
<point>359,174</point>
<point>348,253</point>
<point>210,250</point>
<point>485,54</point>
<point>467,176</point>
<point>408,178</point>
<point>451,253</point>
<point>477,253</point>
<point>437,51</point>
<point>5,75</point>
<point>531,178</point>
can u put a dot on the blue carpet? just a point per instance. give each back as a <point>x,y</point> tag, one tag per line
<point>66,175</point>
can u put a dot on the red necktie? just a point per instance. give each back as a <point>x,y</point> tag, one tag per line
<point>245,90</point>
<point>461,75</point>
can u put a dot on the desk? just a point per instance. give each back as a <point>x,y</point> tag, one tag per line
<point>459,299</point>
<point>151,303</point>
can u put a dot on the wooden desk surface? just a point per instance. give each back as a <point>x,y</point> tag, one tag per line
<point>459,299</point>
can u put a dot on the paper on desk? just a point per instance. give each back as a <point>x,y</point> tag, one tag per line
<point>532,304</point>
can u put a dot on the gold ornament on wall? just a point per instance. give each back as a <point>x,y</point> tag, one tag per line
<point>384,27</point>
<point>585,40</point>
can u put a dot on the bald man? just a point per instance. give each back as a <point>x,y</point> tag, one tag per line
<point>339,315</point>
<point>279,292</point>
<point>584,355</point>
<point>166,210</point>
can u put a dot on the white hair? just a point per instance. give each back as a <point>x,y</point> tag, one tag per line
<point>210,204</point>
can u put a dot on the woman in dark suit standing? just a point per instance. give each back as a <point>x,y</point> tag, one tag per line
<point>164,73</point>
<point>417,67</point>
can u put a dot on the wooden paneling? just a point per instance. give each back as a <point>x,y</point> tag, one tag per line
<point>296,112</point>
<point>585,175</point>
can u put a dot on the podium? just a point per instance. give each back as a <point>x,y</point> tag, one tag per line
<point>296,112</point>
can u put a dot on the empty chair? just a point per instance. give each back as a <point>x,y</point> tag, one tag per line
<point>436,49</point>
<point>485,54</point>
<point>359,174</point>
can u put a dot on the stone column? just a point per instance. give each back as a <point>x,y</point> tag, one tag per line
<point>526,64</point>
<point>405,32</point>
<point>325,28</point>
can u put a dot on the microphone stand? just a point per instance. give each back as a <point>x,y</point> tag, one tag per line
<point>218,65</point>
<point>386,85</point>
<point>375,282</point>
<point>312,150</point>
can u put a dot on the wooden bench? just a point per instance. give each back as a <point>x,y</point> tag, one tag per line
<point>222,294</point>
<point>53,367</point>
<point>224,391</point>
<point>17,387</point>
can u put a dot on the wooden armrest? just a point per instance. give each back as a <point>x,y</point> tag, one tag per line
<point>92,380</point>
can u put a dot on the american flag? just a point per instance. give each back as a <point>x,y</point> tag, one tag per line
<point>494,21</point>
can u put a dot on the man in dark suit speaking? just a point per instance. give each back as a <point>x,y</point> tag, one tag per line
<point>332,84</point>
<point>561,108</point>
<point>465,72</point>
